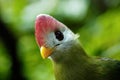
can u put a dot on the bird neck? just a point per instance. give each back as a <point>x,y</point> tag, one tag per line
<point>75,53</point>
<point>76,62</point>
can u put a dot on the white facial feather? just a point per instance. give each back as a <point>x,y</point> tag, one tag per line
<point>65,44</point>
<point>51,40</point>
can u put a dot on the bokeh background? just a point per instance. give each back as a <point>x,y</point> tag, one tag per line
<point>97,22</point>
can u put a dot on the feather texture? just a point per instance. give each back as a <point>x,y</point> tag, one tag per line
<point>70,60</point>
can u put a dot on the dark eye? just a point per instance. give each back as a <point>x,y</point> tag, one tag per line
<point>59,35</point>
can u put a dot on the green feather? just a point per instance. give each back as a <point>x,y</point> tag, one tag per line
<point>76,65</point>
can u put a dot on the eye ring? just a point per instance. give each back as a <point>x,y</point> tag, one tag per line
<point>59,35</point>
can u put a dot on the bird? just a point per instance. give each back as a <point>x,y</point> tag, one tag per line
<point>70,61</point>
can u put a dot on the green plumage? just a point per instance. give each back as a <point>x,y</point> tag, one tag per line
<point>76,65</point>
<point>69,59</point>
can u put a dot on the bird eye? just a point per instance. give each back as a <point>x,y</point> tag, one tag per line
<point>59,35</point>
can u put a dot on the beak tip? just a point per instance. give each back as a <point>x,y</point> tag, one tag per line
<point>45,52</point>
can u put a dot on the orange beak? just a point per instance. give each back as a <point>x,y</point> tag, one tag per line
<point>45,52</point>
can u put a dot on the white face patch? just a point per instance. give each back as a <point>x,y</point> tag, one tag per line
<point>51,40</point>
<point>69,35</point>
<point>64,45</point>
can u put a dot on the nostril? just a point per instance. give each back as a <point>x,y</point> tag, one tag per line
<point>57,44</point>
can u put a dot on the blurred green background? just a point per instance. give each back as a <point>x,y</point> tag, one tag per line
<point>97,22</point>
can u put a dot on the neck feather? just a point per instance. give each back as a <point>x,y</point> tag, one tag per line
<point>74,54</point>
<point>73,65</point>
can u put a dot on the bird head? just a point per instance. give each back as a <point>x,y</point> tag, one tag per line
<point>53,37</point>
